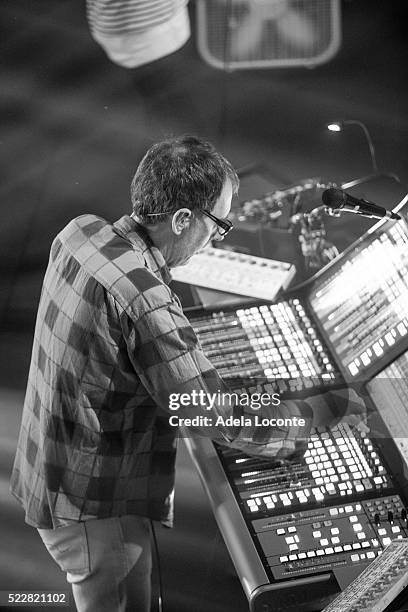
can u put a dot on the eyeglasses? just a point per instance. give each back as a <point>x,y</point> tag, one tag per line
<point>224,225</point>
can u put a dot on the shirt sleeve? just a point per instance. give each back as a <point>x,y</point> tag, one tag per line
<point>167,357</point>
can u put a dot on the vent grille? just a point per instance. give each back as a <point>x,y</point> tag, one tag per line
<point>237,34</point>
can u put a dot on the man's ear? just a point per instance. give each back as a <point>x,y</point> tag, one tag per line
<point>181,220</point>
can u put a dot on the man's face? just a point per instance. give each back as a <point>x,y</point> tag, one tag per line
<point>201,229</point>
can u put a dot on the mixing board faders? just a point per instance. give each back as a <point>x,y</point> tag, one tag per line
<point>336,506</point>
<point>276,341</point>
<point>338,463</point>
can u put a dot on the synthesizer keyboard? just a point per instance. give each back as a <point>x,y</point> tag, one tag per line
<point>236,273</point>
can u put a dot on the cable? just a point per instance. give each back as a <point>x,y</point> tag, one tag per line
<point>261,241</point>
<point>157,557</point>
<point>222,125</point>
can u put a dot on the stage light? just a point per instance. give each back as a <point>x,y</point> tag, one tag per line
<point>337,126</point>
<point>334,127</point>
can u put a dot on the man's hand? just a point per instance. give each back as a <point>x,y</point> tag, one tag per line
<point>342,405</point>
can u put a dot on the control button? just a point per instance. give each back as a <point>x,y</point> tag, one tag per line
<point>291,529</point>
<point>280,531</point>
<point>324,542</point>
<point>355,558</point>
<point>283,559</point>
<point>317,534</point>
<point>292,557</point>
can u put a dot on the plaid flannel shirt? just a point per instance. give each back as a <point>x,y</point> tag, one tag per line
<point>111,342</point>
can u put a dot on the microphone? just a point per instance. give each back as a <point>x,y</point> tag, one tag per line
<point>340,200</point>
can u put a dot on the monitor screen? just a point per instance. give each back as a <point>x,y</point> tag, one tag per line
<point>362,301</point>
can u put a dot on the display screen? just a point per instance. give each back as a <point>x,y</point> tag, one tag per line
<point>362,306</point>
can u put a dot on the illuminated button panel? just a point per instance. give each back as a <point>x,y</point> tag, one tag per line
<point>272,341</point>
<point>338,463</point>
<point>308,542</point>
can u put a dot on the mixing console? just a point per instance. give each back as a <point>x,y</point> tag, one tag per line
<point>300,531</point>
<point>276,341</point>
<point>301,513</point>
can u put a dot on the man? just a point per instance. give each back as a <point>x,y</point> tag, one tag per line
<point>96,453</point>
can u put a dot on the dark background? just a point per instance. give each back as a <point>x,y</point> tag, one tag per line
<point>74,127</point>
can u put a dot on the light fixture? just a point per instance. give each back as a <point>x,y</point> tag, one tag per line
<point>337,126</point>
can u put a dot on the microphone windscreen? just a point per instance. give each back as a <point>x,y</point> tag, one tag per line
<point>333,197</point>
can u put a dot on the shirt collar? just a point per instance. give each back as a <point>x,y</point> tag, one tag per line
<point>135,233</point>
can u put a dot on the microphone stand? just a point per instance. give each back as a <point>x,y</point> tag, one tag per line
<point>317,251</point>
